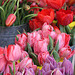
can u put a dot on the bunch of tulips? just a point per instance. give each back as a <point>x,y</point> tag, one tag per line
<point>34,49</point>
<point>45,50</point>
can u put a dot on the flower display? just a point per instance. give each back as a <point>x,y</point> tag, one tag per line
<point>62,16</point>
<point>44,49</point>
<point>51,67</point>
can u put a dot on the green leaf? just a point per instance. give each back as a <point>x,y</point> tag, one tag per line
<point>34,58</point>
<point>50,42</point>
<point>56,56</point>
<point>11,70</point>
<point>34,55</point>
<point>36,29</point>
<point>14,67</point>
<point>29,47</point>
<point>4,3</point>
<point>41,73</point>
<point>73,30</point>
<point>1,74</point>
<point>73,35</point>
<point>68,29</point>
<point>62,29</point>
<point>17,38</point>
<point>48,47</point>
<point>57,46</point>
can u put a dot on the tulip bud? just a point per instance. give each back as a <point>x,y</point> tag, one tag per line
<point>10,20</point>
<point>27,7</point>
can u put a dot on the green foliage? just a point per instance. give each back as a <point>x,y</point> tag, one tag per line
<point>21,13</point>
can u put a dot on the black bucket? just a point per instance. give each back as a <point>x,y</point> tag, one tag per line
<point>7,34</point>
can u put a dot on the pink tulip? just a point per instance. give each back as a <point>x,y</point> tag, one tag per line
<point>7,74</point>
<point>26,62</point>
<point>42,57</point>
<point>57,72</point>
<point>21,40</point>
<point>2,60</point>
<point>13,52</point>
<point>40,46</point>
<point>63,40</point>
<point>48,30</point>
<point>24,54</point>
<point>32,37</point>
<point>7,69</point>
<point>10,20</point>
<point>47,27</point>
<point>65,52</point>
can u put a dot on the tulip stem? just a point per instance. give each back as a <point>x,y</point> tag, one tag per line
<point>14,67</point>
<point>33,15</point>
<point>35,7</point>
<point>17,11</point>
<point>3,15</point>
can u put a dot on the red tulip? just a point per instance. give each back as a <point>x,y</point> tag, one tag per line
<point>56,4</point>
<point>71,2</point>
<point>46,15</point>
<point>35,23</point>
<point>36,10</point>
<point>64,17</point>
<point>10,20</point>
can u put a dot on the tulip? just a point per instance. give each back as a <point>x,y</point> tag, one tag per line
<point>32,37</point>
<point>48,30</point>
<point>47,27</point>
<point>7,74</point>
<point>42,57</point>
<point>24,54</point>
<point>64,17</point>
<point>26,71</point>
<point>10,20</point>
<point>35,23</point>
<point>68,67</point>
<point>26,62</point>
<point>40,46</point>
<point>35,10</point>
<point>63,40</point>
<point>2,60</point>
<point>71,2</point>
<point>65,52</point>
<point>7,69</point>
<point>46,15</point>
<point>13,52</point>
<point>21,40</point>
<point>57,72</point>
<point>56,4</point>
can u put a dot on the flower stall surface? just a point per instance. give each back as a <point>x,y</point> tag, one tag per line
<point>46,49</point>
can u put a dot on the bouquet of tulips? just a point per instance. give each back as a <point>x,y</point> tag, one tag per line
<point>46,49</point>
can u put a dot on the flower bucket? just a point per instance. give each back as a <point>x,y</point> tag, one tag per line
<point>7,34</point>
<point>72,47</point>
